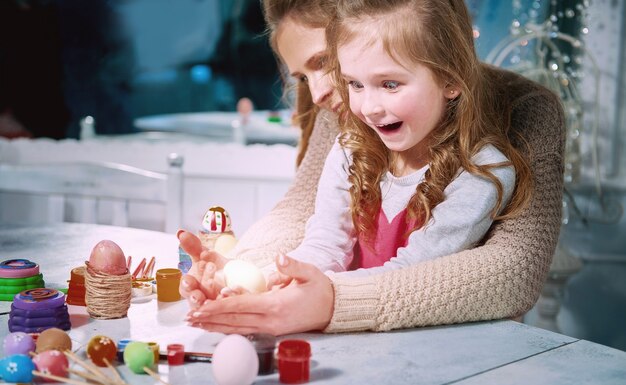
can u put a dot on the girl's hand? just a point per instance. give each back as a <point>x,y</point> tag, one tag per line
<point>303,305</point>
<point>204,279</point>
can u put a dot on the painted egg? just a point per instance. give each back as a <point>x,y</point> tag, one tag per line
<point>138,355</point>
<point>235,361</point>
<point>17,368</point>
<point>107,257</point>
<point>51,362</point>
<point>100,348</point>
<point>216,220</point>
<point>225,243</point>
<point>244,274</point>
<point>53,339</point>
<point>18,343</point>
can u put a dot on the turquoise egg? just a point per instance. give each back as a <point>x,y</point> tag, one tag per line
<point>17,368</point>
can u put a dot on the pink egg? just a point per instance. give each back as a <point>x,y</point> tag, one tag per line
<point>51,362</point>
<point>245,106</point>
<point>107,257</point>
<point>18,343</point>
<point>235,361</point>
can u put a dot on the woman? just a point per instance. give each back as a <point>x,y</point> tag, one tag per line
<point>500,278</point>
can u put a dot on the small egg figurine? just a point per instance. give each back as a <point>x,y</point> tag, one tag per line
<point>244,274</point>
<point>17,368</point>
<point>138,355</point>
<point>52,362</point>
<point>216,220</point>
<point>108,258</point>
<point>225,243</point>
<point>18,343</point>
<point>53,339</point>
<point>101,348</point>
<point>235,361</point>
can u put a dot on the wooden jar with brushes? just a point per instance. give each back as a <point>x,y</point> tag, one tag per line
<point>142,277</point>
<point>108,284</point>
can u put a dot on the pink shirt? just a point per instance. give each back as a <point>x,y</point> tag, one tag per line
<point>389,237</point>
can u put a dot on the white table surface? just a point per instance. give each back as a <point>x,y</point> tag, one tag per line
<point>498,352</point>
<point>218,126</point>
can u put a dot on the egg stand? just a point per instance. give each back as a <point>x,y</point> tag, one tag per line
<point>107,296</point>
<point>17,275</point>
<point>36,310</point>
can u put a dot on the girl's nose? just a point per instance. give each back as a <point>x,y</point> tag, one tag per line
<point>371,106</point>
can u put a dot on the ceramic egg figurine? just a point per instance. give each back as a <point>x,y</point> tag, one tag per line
<point>138,355</point>
<point>52,362</point>
<point>17,368</point>
<point>216,221</point>
<point>235,361</point>
<point>107,258</point>
<point>244,274</point>
<point>53,339</point>
<point>101,348</point>
<point>18,343</point>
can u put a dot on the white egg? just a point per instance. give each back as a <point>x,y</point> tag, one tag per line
<point>225,243</point>
<point>235,361</point>
<point>244,274</point>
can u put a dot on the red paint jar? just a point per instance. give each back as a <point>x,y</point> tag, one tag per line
<point>175,354</point>
<point>293,358</point>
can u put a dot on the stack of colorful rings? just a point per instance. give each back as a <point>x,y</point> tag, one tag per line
<point>17,275</point>
<point>36,310</point>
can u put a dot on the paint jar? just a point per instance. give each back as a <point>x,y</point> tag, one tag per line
<point>155,350</point>
<point>175,354</point>
<point>264,344</point>
<point>76,288</point>
<point>293,357</point>
<point>168,281</point>
<point>121,345</point>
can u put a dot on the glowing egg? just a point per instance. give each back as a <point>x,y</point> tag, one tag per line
<point>138,355</point>
<point>235,361</point>
<point>18,343</point>
<point>53,339</point>
<point>244,274</point>
<point>216,220</point>
<point>100,348</point>
<point>225,243</point>
<point>107,257</point>
<point>17,368</point>
<point>51,362</point>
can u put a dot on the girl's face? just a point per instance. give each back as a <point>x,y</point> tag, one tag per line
<point>403,105</point>
<point>303,49</point>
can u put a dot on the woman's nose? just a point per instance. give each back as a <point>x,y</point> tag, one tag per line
<point>321,89</point>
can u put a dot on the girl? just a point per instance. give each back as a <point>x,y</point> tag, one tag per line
<point>501,277</point>
<point>421,152</point>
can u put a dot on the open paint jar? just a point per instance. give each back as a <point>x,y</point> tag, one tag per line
<point>293,357</point>
<point>168,281</point>
<point>264,344</point>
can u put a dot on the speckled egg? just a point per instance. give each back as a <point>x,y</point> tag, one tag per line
<point>235,361</point>
<point>51,362</point>
<point>107,257</point>
<point>53,339</point>
<point>100,348</point>
<point>18,343</point>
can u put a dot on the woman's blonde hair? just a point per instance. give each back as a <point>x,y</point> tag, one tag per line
<point>311,13</point>
<point>437,34</point>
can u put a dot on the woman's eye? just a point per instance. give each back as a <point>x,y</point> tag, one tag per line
<point>355,85</point>
<point>303,79</point>
<point>390,85</point>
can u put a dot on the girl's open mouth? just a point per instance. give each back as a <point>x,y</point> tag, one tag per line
<point>389,127</point>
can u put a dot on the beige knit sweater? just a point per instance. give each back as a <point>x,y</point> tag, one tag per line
<point>499,279</point>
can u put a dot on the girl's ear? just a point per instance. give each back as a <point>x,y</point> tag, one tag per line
<point>451,92</point>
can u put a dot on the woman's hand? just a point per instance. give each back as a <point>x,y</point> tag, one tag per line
<point>203,281</point>
<point>305,304</point>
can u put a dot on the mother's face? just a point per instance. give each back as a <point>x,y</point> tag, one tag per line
<point>303,49</point>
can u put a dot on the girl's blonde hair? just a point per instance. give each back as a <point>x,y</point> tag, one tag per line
<point>437,34</point>
<point>311,13</point>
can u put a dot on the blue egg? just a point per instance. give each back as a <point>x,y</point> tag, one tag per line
<point>17,368</point>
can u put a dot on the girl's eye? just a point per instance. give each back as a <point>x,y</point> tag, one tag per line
<point>355,85</point>
<point>391,85</point>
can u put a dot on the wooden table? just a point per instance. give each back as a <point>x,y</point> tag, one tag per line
<point>498,352</point>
